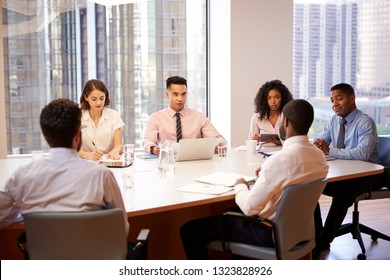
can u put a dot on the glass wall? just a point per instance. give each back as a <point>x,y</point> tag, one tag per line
<point>343,41</point>
<point>52,47</point>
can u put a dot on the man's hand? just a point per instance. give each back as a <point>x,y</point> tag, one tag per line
<point>258,171</point>
<point>321,144</point>
<point>156,150</point>
<point>240,181</point>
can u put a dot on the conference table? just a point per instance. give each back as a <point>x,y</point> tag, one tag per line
<point>157,201</point>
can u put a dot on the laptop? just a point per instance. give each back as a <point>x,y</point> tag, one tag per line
<point>196,149</point>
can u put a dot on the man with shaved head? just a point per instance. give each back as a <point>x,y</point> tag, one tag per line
<point>299,161</point>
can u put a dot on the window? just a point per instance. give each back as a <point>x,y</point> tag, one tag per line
<point>343,41</point>
<point>52,48</point>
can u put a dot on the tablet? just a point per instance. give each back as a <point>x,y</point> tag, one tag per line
<point>115,164</point>
<point>264,136</point>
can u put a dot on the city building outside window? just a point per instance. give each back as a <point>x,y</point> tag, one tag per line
<point>51,48</point>
<point>343,41</point>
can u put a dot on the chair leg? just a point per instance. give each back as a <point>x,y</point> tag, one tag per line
<point>356,229</point>
<point>374,234</point>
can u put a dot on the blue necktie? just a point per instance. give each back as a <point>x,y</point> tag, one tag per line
<point>341,136</point>
<point>178,127</point>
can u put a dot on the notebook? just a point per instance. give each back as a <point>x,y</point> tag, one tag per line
<point>196,149</point>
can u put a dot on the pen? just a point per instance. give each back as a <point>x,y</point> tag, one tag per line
<point>93,143</point>
<point>265,154</point>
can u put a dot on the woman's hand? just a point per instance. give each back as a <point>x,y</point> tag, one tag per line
<point>95,155</point>
<point>114,154</point>
<point>256,137</point>
<point>274,139</point>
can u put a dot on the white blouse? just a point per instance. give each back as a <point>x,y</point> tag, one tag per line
<point>102,135</point>
<point>258,126</point>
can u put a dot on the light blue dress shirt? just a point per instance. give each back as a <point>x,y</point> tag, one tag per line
<point>360,137</point>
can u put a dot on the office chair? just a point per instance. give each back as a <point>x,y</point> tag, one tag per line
<point>355,228</point>
<point>82,235</point>
<point>293,226</point>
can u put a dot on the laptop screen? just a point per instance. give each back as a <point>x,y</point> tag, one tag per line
<point>196,149</point>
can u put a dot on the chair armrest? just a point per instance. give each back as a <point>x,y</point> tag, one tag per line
<point>253,218</point>
<point>263,222</point>
<point>143,235</point>
<point>139,250</point>
<point>22,239</point>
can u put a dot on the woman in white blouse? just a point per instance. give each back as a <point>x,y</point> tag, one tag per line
<point>101,126</point>
<point>269,102</point>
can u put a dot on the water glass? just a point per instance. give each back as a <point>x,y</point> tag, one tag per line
<point>128,151</point>
<point>128,177</point>
<point>166,161</point>
<point>222,149</point>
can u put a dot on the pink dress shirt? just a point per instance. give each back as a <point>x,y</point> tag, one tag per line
<point>162,126</point>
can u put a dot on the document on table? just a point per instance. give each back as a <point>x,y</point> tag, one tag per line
<point>224,178</point>
<point>198,187</point>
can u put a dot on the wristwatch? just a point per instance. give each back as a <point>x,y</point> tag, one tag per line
<point>151,149</point>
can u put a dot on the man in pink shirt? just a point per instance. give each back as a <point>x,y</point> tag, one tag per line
<point>164,125</point>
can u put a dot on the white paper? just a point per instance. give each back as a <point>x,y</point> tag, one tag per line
<point>197,187</point>
<point>223,178</point>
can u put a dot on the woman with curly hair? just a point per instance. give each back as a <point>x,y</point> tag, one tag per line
<point>269,102</point>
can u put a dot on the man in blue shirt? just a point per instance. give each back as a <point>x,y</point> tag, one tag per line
<point>353,135</point>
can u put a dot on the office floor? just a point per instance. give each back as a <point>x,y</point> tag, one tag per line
<point>375,214</point>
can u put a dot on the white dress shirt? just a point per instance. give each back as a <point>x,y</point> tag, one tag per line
<point>61,182</point>
<point>299,161</point>
<point>103,134</point>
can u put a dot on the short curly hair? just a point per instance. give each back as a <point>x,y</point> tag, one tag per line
<point>60,120</point>
<point>90,86</point>
<point>300,113</point>
<point>261,99</point>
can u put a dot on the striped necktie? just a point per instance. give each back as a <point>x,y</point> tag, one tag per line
<point>341,136</point>
<point>178,127</point>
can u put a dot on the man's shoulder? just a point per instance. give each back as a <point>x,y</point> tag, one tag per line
<point>91,166</point>
<point>362,118</point>
<point>193,112</point>
<point>159,112</point>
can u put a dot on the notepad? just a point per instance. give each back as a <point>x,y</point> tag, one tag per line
<point>224,178</point>
<point>147,156</point>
